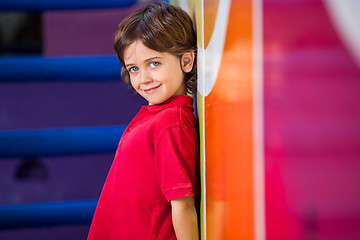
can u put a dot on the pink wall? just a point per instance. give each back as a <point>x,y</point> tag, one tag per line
<point>312,131</point>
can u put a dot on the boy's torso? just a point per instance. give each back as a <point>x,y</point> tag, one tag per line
<point>132,201</point>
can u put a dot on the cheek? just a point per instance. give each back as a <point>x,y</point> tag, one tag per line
<point>133,82</point>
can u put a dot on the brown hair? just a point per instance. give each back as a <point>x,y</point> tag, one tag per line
<point>160,27</point>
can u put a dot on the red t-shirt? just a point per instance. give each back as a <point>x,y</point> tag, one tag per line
<point>155,162</point>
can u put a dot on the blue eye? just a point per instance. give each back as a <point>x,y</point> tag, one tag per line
<point>133,69</point>
<point>154,64</point>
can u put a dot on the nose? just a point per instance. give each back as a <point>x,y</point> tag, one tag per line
<point>145,77</point>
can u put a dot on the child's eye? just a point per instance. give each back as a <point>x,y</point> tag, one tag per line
<point>133,69</point>
<point>154,64</point>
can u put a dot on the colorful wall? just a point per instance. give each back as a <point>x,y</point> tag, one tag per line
<point>279,109</point>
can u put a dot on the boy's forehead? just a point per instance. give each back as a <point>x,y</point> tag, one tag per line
<point>137,51</point>
<point>131,48</point>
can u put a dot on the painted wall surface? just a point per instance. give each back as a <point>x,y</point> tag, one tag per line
<point>312,119</point>
<point>279,109</point>
<point>225,102</point>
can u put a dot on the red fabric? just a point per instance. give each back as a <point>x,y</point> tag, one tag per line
<point>155,162</point>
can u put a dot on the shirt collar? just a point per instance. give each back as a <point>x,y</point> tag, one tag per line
<point>180,100</point>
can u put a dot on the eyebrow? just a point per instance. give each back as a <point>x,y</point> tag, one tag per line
<point>146,60</point>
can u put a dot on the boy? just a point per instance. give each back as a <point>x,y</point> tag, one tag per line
<point>151,187</point>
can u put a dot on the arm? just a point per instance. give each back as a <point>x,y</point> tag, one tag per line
<point>184,218</point>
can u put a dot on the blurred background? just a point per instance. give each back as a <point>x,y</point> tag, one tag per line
<point>281,119</point>
<point>312,119</point>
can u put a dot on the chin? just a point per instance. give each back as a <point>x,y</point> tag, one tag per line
<point>156,101</point>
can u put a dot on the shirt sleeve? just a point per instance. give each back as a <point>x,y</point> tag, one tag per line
<point>175,162</point>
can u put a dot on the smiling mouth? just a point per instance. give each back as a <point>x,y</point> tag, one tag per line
<point>151,90</point>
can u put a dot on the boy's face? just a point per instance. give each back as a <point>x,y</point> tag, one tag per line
<point>157,76</point>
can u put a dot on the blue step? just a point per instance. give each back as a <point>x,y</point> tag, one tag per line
<point>42,5</point>
<point>27,69</point>
<point>46,214</point>
<point>59,142</point>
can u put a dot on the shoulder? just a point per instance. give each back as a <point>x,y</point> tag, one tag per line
<point>176,115</point>
<point>177,122</point>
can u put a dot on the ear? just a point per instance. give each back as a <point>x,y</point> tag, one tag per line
<point>187,61</point>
